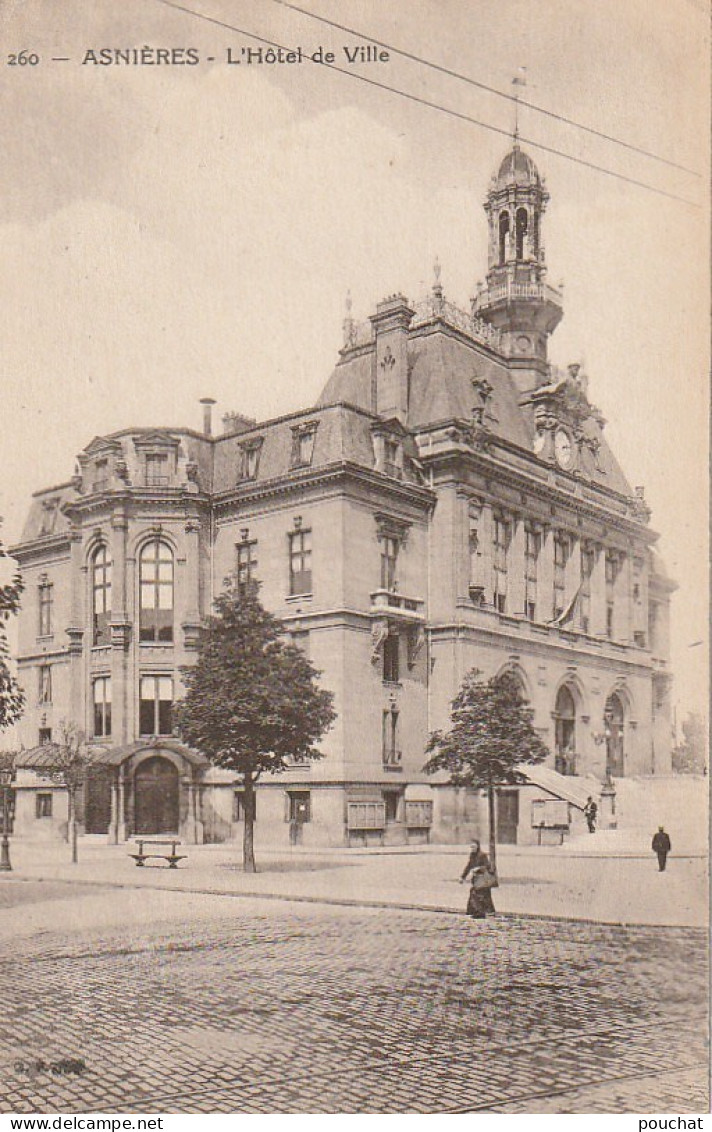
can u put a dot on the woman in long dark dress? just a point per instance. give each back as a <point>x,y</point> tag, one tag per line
<point>479,901</point>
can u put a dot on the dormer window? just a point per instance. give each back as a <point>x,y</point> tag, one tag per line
<point>303,436</point>
<point>250,459</point>
<point>391,458</point>
<point>156,469</point>
<point>101,475</point>
<point>49,516</point>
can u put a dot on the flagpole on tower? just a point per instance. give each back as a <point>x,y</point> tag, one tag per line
<point>519,80</point>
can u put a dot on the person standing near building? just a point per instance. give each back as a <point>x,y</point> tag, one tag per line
<point>662,846</point>
<point>590,812</point>
<point>480,901</point>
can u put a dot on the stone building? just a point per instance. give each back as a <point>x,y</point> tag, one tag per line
<point>450,502</point>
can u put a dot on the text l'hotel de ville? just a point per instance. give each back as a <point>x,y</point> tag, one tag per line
<point>148,56</point>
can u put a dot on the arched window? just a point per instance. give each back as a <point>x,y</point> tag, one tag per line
<point>156,592</point>
<point>101,596</point>
<point>503,233</point>
<point>613,721</point>
<point>522,227</point>
<point>565,718</point>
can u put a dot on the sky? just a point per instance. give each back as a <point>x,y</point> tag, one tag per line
<point>174,232</point>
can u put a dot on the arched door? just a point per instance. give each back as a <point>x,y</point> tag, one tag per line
<point>613,725</point>
<point>156,790</point>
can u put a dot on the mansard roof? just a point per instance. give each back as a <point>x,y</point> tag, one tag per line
<point>447,370</point>
<point>46,520</point>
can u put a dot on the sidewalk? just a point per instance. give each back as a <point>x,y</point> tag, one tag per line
<point>533,881</point>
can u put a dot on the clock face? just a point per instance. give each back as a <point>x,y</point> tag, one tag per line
<point>539,441</point>
<point>563,449</point>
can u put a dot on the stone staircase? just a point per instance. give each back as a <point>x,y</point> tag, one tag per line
<point>680,803</point>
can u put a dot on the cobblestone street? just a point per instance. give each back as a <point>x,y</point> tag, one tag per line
<point>239,1005</point>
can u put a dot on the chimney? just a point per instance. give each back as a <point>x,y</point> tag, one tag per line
<point>390,323</point>
<point>234,423</point>
<point>207,403</point>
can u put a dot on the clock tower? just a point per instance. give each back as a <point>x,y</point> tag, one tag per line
<point>516,299</point>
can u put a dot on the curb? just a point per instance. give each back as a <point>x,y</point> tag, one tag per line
<point>344,902</point>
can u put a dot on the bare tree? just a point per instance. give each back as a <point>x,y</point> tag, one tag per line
<point>70,760</point>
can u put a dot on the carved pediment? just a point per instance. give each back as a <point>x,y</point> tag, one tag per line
<point>155,440</point>
<point>100,446</point>
<point>389,427</point>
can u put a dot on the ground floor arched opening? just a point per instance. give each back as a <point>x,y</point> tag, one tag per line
<point>156,797</point>
<point>614,731</point>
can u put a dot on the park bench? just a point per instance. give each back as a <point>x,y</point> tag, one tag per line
<point>173,858</point>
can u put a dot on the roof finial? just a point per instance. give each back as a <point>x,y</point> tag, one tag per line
<point>349,325</point>
<point>437,285</point>
<point>520,79</point>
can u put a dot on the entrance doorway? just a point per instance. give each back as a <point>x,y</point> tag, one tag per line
<point>507,816</point>
<point>156,792</point>
<point>97,800</point>
<point>613,718</point>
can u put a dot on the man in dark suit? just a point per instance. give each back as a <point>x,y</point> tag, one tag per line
<point>662,846</point>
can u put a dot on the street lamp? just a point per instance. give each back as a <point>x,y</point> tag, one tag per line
<point>5,781</point>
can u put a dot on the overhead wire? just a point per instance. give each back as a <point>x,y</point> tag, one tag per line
<point>517,99</point>
<point>459,115</point>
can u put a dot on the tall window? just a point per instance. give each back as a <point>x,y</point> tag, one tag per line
<point>246,565</point>
<point>300,562</point>
<point>102,706</point>
<point>45,684</point>
<point>101,596</point>
<point>43,805</point>
<point>46,602</point>
<point>156,585</point>
<point>588,558</point>
<point>503,233</point>
<point>562,550</point>
<point>501,535</point>
<point>156,469</point>
<point>522,225</point>
<point>613,566</point>
<point>565,737</point>
<point>532,549</point>
<point>390,751</point>
<point>389,561</point>
<point>391,659</point>
<point>156,708</point>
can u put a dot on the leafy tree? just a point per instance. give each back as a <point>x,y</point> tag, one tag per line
<point>12,699</point>
<point>690,756</point>
<point>491,734</point>
<point>71,759</point>
<point>251,703</point>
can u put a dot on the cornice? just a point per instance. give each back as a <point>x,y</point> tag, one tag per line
<point>329,474</point>
<point>520,480</point>
<point>548,646</point>
<point>41,548</point>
